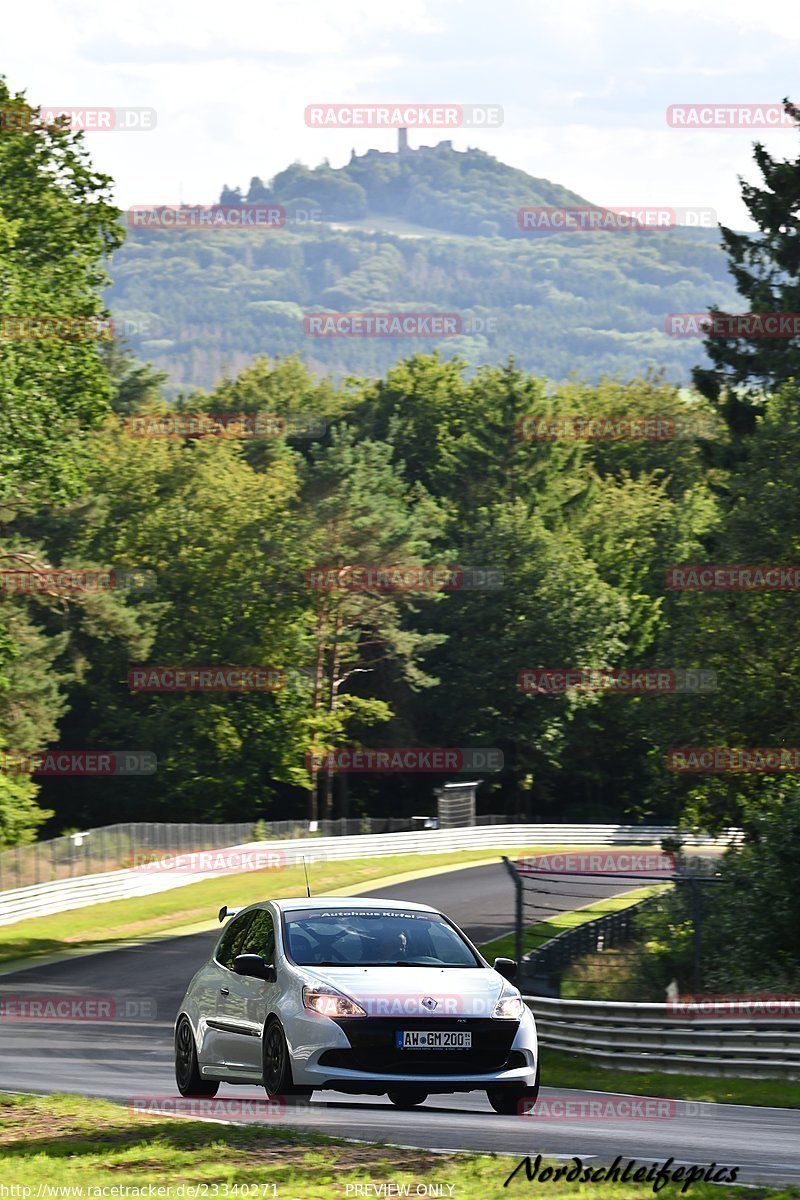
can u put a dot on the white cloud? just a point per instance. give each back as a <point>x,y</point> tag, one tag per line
<point>584,86</point>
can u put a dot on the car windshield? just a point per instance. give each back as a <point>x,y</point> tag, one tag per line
<point>373,938</point>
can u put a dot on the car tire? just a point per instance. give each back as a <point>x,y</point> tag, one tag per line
<point>277,1068</point>
<point>514,1101</point>
<point>187,1071</point>
<point>409,1099</point>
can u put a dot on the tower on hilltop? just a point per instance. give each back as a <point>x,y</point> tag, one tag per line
<point>402,141</point>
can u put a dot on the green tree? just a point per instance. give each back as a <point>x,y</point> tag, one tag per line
<point>57,225</point>
<point>223,543</point>
<point>747,637</point>
<point>136,386</point>
<point>363,514</point>
<point>627,510</point>
<point>752,927</point>
<point>766,268</point>
<point>31,700</point>
<point>551,609</point>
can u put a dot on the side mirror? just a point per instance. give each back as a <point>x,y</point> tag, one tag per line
<point>254,966</point>
<point>507,968</point>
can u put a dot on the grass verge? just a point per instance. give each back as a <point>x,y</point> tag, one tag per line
<point>72,1142</point>
<point>198,903</point>
<point>560,1070</point>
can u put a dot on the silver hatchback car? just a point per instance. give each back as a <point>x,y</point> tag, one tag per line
<point>358,995</point>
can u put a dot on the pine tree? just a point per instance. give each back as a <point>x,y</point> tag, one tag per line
<point>766,268</point>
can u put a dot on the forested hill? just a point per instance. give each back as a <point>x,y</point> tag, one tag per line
<point>430,232</point>
<point>466,192</point>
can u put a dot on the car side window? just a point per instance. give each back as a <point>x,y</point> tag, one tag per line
<point>232,939</point>
<point>260,937</point>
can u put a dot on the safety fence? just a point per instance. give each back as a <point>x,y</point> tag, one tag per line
<point>114,847</point>
<point>62,895</point>
<point>611,931</point>
<point>583,905</point>
<point>647,1037</point>
<point>111,847</point>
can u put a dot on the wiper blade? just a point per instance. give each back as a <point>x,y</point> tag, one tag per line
<point>400,962</point>
<point>406,962</point>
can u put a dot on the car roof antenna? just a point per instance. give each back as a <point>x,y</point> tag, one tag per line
<point>308,889</point>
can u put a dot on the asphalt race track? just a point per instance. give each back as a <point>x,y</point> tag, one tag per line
<point>131,1058</point>
<point>481,899</point>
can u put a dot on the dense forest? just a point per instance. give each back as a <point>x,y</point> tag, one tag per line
<point>430,465</point>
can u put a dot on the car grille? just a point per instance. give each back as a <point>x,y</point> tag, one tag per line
<point>373,1049</point>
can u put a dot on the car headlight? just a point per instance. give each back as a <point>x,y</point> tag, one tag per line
<point>329,1003</point>
<point>509,1008</point>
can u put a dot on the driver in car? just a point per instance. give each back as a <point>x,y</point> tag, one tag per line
<point>394,947</point>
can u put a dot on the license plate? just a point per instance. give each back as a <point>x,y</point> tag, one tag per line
<point>438,1039</point>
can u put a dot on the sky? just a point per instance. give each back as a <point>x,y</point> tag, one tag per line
<point>584,86</point>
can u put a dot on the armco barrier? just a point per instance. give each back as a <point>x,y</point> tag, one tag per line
<point>115,847</point>
<point>648,1037</point>
<point>63,895</point>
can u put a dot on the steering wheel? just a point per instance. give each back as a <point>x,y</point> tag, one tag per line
<point>327,943</point>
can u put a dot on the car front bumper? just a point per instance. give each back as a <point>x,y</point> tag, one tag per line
<point>360,1055</point>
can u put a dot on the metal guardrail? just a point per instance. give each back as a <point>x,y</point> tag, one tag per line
<point>647,1037</point>
<point>63,895</point>
<point>115,847</point>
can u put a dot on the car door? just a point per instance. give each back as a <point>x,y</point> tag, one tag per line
<point>242,1012</point>
<point>204,990</point>
<point>217,1050</point>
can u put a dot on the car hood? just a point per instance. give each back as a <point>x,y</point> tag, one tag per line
<point>416,991</point>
